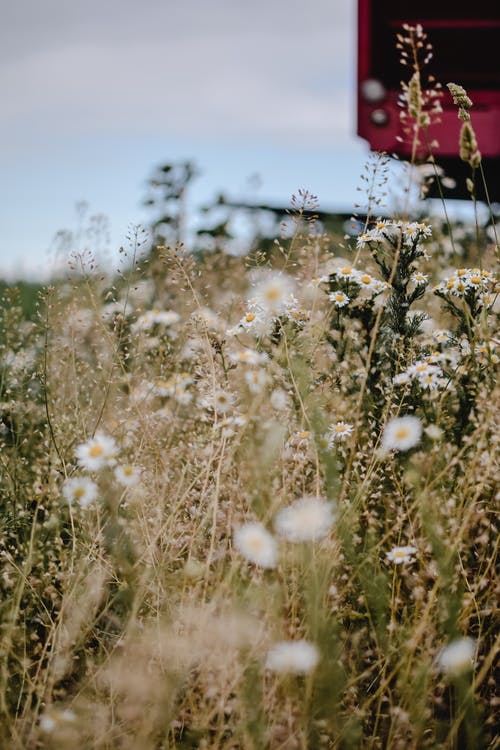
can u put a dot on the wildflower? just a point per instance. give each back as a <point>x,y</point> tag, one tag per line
<point>273,291</point>
<point>486,299</point>
<point>441,335</point>
<point>221,401</point>
<point>127,475</point>
<point>339,299</point>
<point>419,278</point>
<point>306,520</point>
<point>363,239</point>
<point>248,356</point>
<point>279,399</point>
<point>229,425</point>
<point>403,378</point>
<point>366,281</point>
<point>340,430</point>
<point>402,433</point>
<point>253,320</point>
<point>50,721</point>
<point>325,442</point>
<point>150,318</point>
<point>256,544</point>
<point>292,657</point>
<point>457,657</point>
<point>380,227</point>
<point>346,272</point>
<point>256,380</point>
<point>432,379</point>
<point>434,432</point>
<point>96,453</point>
<point>176,386</point>
<point>399,555</point>
<point>81,490</point>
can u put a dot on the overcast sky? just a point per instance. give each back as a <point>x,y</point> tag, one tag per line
<point>96,93</point>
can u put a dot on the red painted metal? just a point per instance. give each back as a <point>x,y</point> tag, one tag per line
<point>466,42</point>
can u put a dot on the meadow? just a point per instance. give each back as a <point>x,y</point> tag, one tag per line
<point>250,501</point>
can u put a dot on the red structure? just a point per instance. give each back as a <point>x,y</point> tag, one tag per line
<point>466,41</point>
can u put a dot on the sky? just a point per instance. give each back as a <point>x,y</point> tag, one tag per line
<point>96,94</point>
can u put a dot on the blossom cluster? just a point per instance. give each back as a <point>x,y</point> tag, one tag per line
<point>470,280</point>
<point>150,318</point>
<point>425,373</point>
<point>273,299</point>
<point>409,233</point>
<point>96,454</point>
<point>308,519</point>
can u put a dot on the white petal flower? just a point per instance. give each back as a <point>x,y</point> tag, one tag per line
<point>256,380</point>
<point>399,555</point>
<point>273,292</point>
<point>96,453</point>
<point>306,520</point>
<point>256,544</point>
<point>127,475</point>
<point>339,299</point>
<point>292,657</point>
<point>402,433</point>
<point>457,657</point>
<point>340,430</point>
<point>248,356</point>
<point>81,490</point>
<point>279,399</point>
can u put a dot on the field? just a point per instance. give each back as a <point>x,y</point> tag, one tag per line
<point>250,502</point>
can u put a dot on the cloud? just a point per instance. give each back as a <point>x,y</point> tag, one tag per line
<point>220,69</point>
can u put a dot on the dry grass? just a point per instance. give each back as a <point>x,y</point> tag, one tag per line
<point>139,619</point>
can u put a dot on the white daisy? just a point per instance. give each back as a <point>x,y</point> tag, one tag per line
<point>339,299</point>
<point>419,278</point>
<point>127,475</point>
<point>273,292</point>
<point>81,490</point>
<point>292,657</point>
<point>248,356</point>
<point>340,430</point>
<point>399,555</point>
<point>221,401</point>
<point>279,399</point>
<point>306,520</point>
<point>256,380</point>
<point>402,433</point>
<point>256,544</point>
<point>457,657</point>
<point>96,453</point>
<point>346,272</point>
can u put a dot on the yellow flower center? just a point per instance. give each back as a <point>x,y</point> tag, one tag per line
<point>272,294</point>
<point>96,450</point>
<point>402,433</point>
